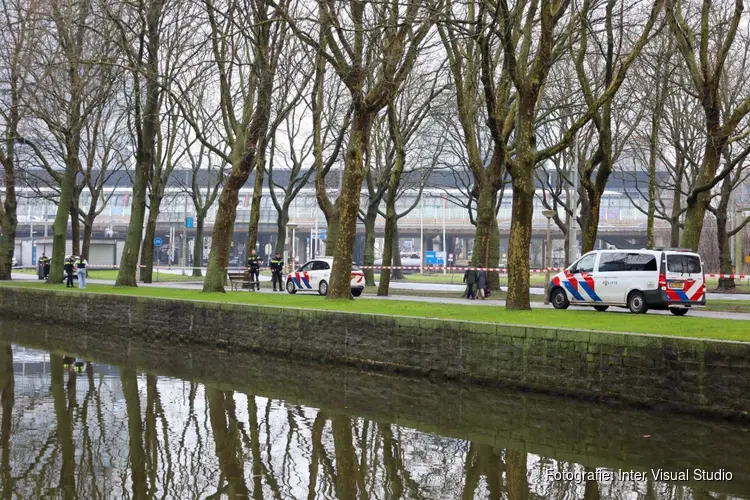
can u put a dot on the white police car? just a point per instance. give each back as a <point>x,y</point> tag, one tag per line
<point>315,274</point>
<point>637,279</point>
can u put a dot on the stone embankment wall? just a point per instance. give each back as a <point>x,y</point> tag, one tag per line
<point>691,375</point>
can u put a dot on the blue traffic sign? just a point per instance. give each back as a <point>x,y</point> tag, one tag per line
<point>158,242</point>
<point>189,222</point>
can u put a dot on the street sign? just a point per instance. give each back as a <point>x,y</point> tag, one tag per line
<point>747,259</point>
<point>158,242</point>
<point>189,222</point>
<point>434,258</point>
<point>321,234</point>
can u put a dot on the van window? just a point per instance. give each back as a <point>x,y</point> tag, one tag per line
<point>684,264</point>
<point>586,264</point>
<point>627,262</point>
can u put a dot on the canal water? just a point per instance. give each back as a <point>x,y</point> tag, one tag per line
<point>86,416</point>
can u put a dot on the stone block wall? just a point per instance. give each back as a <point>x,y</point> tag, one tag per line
<point>690,375</point>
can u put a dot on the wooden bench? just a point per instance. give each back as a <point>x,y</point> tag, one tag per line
<point>240,280</point>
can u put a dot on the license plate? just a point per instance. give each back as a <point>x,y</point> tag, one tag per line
<point>676,284</point>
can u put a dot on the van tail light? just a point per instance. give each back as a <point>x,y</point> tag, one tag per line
<point>662,281</point>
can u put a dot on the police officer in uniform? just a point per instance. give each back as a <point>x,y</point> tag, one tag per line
<point>45,265</point>
<point>69,269</point>
<point>277,266</point>
<point>253,262</point>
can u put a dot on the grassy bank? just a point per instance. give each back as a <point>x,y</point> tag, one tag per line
<point>612,321</point>
<point>111,274</point>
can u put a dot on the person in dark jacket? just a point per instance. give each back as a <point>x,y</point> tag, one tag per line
<point>481,283</point>
<point>470,278</point>
<point>253,263</point>
<point>45,265</point>
<point>69,270</point>
<point>277,266</point>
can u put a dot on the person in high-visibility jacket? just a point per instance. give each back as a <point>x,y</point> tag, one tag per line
<point>277,267</point>
<point>253,263</point>
<point>81,271</point>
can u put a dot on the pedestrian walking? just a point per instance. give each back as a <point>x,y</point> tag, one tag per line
<point>69,270</point>
<point>470,278</point>
<point>277,266</point>
<point>481,283</point>
<point>253,264</point>
<point>81,265</point>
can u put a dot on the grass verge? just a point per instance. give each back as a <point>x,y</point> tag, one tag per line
<point>611,321</point>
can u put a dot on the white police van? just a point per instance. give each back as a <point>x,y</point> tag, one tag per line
<point>637,279</point>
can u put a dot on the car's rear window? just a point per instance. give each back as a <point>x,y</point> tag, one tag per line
<point>684,264</point>
<point>624,262</point>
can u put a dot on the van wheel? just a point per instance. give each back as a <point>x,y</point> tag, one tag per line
<point>637,303</point>
<point>601,309</point>
<point>356,292</point>
<point>678,311</point>
<point>323,288</point>
<point>290,287</point>
<point>559,299</point>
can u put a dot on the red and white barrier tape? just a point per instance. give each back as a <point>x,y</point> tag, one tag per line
<point>729,276</point>
<point>456,269</point>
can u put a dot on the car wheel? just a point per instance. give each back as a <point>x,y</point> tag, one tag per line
<point>601,309</point>
<point>290,287</point>
<point>323,288</point>
<point>559,299</point>
<point>637,303</point>
<point>678,311</point>
<point>356,292</point>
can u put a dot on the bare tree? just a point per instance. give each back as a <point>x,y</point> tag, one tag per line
<point>18,39</point>
<point>242,32</point>
<point>705,53</point>
<point>528,63</point>
<point>372,56</point>
<point>139,30</point>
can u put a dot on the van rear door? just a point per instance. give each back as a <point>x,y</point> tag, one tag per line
<point>684,277</point>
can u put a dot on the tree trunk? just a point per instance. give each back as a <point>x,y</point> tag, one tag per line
<point>144,155</point>
<point>522,208</point>
<point>674,220</point>
<point>517,474</point>
<point>487,235</point>
<point>590,220</point>
<point>75,228</point>
<point>697,204</point>
<point>147,252</point>
<point>388,248</point>
<point>722,233</point>
<point>396,274</point>
<point>369,258</point>
<point>8,242</point>
<point>348,206</point>
<point>200,219</point>
<point>281,221</point>
<point>252,230</point>
<point>60,226</point>
<point>88,229</point>
<point>332,233</point>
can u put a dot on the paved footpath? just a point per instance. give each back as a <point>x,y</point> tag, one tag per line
<point>438,300</point>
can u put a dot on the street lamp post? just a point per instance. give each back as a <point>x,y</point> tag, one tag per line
<point>293,227</point>
<point>548,257</point>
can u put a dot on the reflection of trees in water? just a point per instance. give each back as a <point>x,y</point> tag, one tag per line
<point>7,399</point>
<point>145,436</point>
